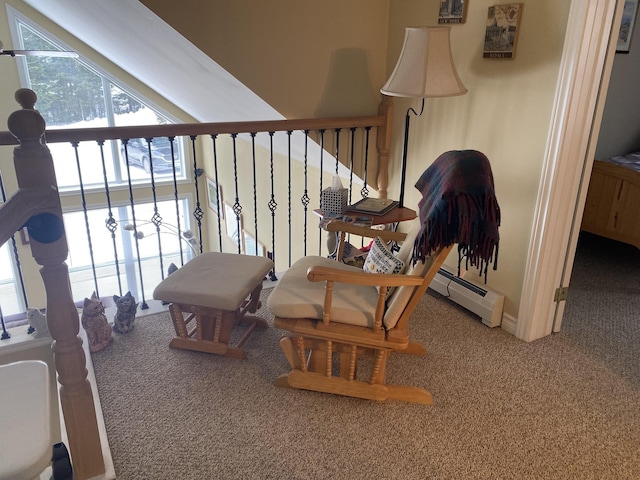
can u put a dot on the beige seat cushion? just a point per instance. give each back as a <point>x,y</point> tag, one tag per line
<point>216,280</point>
<point>296,297</point>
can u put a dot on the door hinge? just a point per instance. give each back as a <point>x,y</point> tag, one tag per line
<point>561,294</point>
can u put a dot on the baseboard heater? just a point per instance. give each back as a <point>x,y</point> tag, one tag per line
<point>486,304</point>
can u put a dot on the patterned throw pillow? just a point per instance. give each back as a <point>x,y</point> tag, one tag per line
<point>381,260</point>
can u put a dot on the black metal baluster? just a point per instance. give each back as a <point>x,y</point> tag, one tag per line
<point>237,209</point>
<point>5,334</point>
<point>175,197</point>
<point>86,218</point>
<point>110,223</point>
<point>197,172</point>
<point>143,302</point>
<point>289,132</point>
<point>305,196</point>
<point>337,132</point>
<point>272,206</point>
<point>337,137</point>
<point>255,190</point>
<point>20,277</point>
<point>365,191</point>
<point>321,184</point>
<point>215,170</point>
<point>156,218</point>
<point>351,161</point>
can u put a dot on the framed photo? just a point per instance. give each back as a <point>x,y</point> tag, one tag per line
<point>452,11</point>
<point>629,15</point>
<point>252,246</point>
<point>501,35</point>
<point>232,223</point>
<point>214,194</point>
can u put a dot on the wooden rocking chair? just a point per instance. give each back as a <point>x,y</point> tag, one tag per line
<point>333,308</point>
<point>333,311</point>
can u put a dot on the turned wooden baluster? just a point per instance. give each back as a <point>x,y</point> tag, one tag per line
<point>384,146</point>
<point>34,172</point>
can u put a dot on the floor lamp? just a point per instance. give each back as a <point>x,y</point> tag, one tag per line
<point>425,69</point>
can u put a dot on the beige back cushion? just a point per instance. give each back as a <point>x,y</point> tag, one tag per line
<point>400,297</point>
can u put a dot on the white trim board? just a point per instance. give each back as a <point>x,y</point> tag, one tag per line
<point>577,112</point>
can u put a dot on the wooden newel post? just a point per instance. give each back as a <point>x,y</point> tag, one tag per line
<point>35,172</point>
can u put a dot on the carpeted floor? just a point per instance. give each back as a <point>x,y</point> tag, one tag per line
<point>563,407</point>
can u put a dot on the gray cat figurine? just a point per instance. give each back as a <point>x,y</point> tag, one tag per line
<point>95,324</point>
<point>126,307</point>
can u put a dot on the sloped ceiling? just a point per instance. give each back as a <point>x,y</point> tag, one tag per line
<point>132,36</point>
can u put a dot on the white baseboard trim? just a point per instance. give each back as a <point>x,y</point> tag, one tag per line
<point>509,323</point>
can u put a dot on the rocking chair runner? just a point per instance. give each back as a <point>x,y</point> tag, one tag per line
<point>335,310</point>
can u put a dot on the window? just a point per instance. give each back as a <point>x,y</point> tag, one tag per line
<point>11,300</point>
<point>174,242</point>
<point>74,93</point>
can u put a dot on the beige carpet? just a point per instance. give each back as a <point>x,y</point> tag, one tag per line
<point>558,408</point>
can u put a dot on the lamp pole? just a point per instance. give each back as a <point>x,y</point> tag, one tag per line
<point>405,146</point>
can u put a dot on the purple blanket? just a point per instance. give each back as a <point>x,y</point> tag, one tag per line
<point>459,206</point>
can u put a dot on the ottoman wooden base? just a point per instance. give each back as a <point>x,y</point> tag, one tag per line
<point>224,300</point>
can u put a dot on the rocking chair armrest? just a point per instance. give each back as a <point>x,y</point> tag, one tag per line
<point>386,235</point>
<point>322,274</point>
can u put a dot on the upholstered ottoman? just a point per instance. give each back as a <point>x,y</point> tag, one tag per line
<point>211,294</point>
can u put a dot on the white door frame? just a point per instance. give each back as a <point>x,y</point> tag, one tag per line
<point>577,112</point>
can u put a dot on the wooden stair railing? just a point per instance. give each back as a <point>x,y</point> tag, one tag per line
<point>382,122</point>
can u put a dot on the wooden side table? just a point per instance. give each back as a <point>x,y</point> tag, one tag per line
<point>397,215</point>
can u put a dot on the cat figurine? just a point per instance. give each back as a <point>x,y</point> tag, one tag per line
<point>172,268</point>
<point>38,321</point>
<point>126,307</point>
<point>95,324</point>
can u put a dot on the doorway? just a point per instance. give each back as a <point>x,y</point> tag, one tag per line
<point>584,75</point>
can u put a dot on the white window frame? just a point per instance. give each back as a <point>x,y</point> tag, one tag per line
<point>15,17</point>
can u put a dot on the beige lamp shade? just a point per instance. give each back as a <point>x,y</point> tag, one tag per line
<point>425,67</point>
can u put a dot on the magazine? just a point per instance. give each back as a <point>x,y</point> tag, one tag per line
<point>356,220</point>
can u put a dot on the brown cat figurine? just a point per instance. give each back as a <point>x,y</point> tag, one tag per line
<point>95,324</point>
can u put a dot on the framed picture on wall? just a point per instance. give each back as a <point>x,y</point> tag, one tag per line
<point>452,11</point>
<point>501,34</point>
<point>233,223</point>
<point>627,23</point>
<point>252,246</point>
<point>215,197</point>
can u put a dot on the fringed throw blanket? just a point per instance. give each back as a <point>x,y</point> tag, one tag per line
<point>459,206</point>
